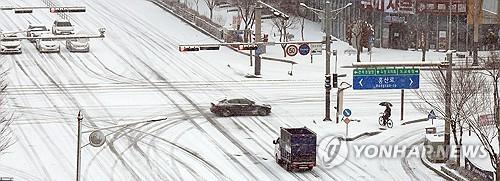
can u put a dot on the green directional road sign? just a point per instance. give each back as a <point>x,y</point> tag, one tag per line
<point>386,78</point>
<point>386,71</point>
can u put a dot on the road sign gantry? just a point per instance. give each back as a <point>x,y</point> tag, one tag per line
<point>241,45</point>
<point>58,9</point>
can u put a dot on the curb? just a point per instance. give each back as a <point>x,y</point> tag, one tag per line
<point>164,7</point>
<point>415,121</point>
<point>439,172</point>
<point>363,134</point>
<point>451,174</point>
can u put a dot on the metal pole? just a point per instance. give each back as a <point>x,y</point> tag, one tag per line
<point>475,43</point>
<point>340,102</point>
<point>437,33</point>
<point>78,148</point>
<point>336,60</point>
<point>328,33</point>
<point>449,28</point>
<point>258,24</point>
<point>448,100</point>
<point>402,103</point>
<point>346,130</point>
<point>251,55</point>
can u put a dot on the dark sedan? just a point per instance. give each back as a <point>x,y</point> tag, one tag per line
<point>241,106</point>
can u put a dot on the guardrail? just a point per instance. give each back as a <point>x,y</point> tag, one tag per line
<point>194,18</point>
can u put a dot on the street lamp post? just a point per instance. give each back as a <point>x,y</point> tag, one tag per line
<point>327,14</point>
<point>258,24</point>
<point>258,31</point>
<point>79,137</point>
<point>78,148</point>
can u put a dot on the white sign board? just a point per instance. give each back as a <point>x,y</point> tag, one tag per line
<point>316,48</point>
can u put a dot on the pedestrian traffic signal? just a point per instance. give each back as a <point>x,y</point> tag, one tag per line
<point>335,80</point>
<point>67,9</point>
<point>17,11</point>
<point>188,48</point>
<point>247,47</point>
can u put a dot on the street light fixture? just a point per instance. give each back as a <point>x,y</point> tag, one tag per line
<point>327,13</point>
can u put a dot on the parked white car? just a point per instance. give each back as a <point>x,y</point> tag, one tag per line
<point>62,27</point>
<point>47,45</point>
<point>10,46</point>
<point>36,31</point>
<point>78,45</point>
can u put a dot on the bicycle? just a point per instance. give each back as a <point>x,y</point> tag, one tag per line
<point>388,122</point>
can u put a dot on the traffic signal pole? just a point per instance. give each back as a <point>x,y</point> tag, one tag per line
<point>258,25</point>
<point>328,37</point>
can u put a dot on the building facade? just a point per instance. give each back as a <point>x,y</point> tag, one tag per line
<point>410,24</point>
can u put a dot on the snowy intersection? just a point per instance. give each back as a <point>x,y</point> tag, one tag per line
<point>136,73</point>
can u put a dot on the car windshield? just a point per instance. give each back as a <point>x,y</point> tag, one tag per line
<point>65,23</point>
<point>46,40</point>
<point>11,36</point>
<point>9,40</point>
<point>81,40</point>
<point>39,28</point>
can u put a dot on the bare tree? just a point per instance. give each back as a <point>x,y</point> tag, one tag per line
<point>486,134</point>
<point>466,89</point>
<point>197,2</point>
<point>358,33</point>
<point>283,25</point>
<point>6,136</point>
<point>247,14</point>
<point>423,33</point>
<point>211,6</point>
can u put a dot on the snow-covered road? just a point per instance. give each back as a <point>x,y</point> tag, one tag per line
<point>136,73</point>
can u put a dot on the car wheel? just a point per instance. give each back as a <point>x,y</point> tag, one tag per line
<point>226,113</point>
<point>263,112</point>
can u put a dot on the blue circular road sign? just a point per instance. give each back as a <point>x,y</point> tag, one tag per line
<point>304,49</point>
<point>347,112</point>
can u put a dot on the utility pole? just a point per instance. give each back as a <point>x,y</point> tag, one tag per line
<point>328,37</point>
<point>448,102</point>
<point>78,144</point>
<point>258,25</point>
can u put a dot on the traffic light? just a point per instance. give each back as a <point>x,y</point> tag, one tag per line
<point>17,11</point>
<point>328,80</point>
<point>210,47</point>
<point>188,48</point>
<point>247,47</point>
<point>335,80</point>
<point>67,9</point>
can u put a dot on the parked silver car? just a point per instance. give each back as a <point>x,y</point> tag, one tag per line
<point>78,45</point>
<point>10,46</point>
<point>46,44</point>
<point>61,27</point>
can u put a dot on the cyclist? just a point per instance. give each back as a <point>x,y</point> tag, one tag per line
<point>387,113</point>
